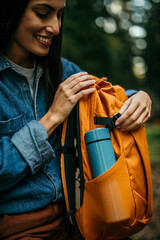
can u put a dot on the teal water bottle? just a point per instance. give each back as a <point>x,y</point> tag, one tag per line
<point>100,150</point>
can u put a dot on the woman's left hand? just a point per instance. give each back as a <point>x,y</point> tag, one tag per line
<point>134,112</point>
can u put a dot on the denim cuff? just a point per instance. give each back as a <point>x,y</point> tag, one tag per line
<point>130,92</point>
<point>32,143</point>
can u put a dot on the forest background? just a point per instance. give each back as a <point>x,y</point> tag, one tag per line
<point>121,40</point>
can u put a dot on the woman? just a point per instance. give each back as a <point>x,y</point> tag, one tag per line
<point>33,105</point>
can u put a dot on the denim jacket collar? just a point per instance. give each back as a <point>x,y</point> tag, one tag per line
<point>4,63</point>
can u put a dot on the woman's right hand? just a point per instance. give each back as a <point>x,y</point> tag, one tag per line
<point>68,94</point>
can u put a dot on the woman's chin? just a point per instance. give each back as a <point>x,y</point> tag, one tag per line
<point>40,52</point>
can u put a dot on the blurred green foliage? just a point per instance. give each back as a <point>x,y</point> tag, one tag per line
<point>153,135</point>
<point>152,54</point>
<point>110,55</point>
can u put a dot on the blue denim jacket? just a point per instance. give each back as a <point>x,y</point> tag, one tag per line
<point>29,162</point>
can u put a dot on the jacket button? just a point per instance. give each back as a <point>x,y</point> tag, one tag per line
<point>24,84</point>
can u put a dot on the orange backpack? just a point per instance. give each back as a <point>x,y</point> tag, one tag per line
<point>125,189</point>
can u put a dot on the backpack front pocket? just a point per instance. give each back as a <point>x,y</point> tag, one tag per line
<point>108,203</point>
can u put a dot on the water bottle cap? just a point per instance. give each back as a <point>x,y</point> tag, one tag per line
<point>97,134</point>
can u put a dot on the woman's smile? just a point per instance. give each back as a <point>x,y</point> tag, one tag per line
<point>46,41</point>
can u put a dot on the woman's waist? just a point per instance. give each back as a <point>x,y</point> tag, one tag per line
<point>31,193</point>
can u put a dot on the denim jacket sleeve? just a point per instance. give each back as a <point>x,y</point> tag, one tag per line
<point>38,151</point>
<point>27,150</point>
<point>130,92</point>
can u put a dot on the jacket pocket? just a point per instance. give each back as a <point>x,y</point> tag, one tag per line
<point>11,126</point>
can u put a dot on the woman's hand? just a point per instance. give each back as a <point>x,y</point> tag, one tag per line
<point>68,94</point>
<point>135,111</point>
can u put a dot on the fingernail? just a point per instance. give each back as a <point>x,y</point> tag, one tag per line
<point>116,123</point>
<point>91,76</point>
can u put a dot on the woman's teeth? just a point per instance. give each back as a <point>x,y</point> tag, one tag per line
<point>44,39</point>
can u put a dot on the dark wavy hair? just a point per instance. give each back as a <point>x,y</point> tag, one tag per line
<point>11,12</point>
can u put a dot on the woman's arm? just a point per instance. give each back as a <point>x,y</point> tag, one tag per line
<point>68,94</point>
<point>26,152</point>
<point>28,149</point>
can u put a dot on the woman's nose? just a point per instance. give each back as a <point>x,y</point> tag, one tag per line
<point>53,26</point>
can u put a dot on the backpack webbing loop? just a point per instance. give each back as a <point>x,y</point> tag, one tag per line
<point>68,150</point>
<point>109,122</point>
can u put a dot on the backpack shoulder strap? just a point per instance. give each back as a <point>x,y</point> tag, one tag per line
<point>69,163</point>
<point>68,166</point>
<point>79,162</point>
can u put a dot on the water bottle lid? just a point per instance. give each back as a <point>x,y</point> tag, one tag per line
<point>97,134</point>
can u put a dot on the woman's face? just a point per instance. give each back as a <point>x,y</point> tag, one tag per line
<point>39,24</point>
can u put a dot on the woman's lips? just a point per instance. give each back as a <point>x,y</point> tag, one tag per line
<point>46,41</point>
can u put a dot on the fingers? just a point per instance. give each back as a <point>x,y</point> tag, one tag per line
<point>83,93</point>
<point>134,122</point>
<point>75,84</point>
<point>73,99</point>
<point>126,111</point>
<point>81,85</point>
<point>80,82</point>
<point>135,111</point>
<point>124,108</point>
<point>68,94</point>
<point>75,78</point>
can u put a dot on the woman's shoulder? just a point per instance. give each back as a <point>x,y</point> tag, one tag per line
<point>69,68</point>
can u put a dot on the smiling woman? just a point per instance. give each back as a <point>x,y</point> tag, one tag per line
<point>34,34</point>
<point>38,91</point>
<point>30,111</point>
<point>39,28</point>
